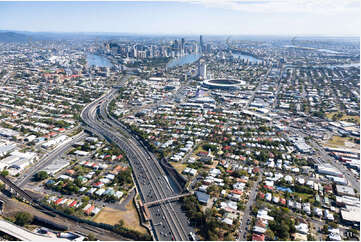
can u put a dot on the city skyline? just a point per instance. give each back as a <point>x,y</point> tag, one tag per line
<point>234,120</point>
<point>321,18</point>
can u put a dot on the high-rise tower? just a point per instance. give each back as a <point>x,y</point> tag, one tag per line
<point>182,46</point>
<point>202,70</point>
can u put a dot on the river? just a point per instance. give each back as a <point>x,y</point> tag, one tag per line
<point>246,57</point>
<point>98,61</point>
<point>180,61</point>
<point>310,48</point>
<point>349,65</point>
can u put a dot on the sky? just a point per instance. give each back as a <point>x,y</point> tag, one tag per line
<point>189,17</point>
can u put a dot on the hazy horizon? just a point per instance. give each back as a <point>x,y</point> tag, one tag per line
<point>178,34</point>
<point>230,17</point>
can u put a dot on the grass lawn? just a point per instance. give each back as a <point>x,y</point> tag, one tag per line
<point>199,148</point>
<point>340,142</point>
<point>329,115</point>
<point>303,196</point>
<point>130,217</point>
<point>178,166</point>
<point>336,141</point>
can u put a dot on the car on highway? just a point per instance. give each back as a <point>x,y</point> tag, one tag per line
<point>192,236</point>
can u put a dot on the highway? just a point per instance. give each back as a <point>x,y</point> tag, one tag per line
<point>58,151</point>
<point>167,219</point>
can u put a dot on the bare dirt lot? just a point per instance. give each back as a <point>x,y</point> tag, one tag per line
<point>342,142</point>
<point>178,166</point>
<point>130,217</point>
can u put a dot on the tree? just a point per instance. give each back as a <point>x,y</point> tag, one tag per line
<point>5,173</point>
<point>333,224</point>
<point>209,146</point>
<point>121,222</point>
<point>270,235</point>
<point>325,229</point>
<point>310,237</point>
<point>90,237</point>
<point>229,237</point>
<point>23,218</point>
<point>41,175</point>
<point>69,211</point>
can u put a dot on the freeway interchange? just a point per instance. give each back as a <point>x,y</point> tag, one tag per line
<point>167,219</point>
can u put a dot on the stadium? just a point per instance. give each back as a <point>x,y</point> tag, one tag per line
<point>223,84</point>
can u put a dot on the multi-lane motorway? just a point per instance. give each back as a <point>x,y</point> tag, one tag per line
<point>167,219</point>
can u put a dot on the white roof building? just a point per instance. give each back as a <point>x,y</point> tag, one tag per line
<point>328,215</point>
<point>302,228</point>
<point>317,211</point>
<point>100,192</point>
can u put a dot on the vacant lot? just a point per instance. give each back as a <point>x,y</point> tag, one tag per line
<point>130,217</point>
<point>340,142</point>
<point>178,166</point>
<point>337,141</point>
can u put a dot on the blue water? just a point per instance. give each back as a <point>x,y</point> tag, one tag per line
<point>341,65</point>
<point>349,65</point>
<point>180,61</point>
<point>310,48</point>
<point>98,61</point>
<point>247,57</point>
<point>284,189</point>
<point>328,51</point>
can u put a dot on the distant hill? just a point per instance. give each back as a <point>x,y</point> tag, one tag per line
<point>23,36</point>
<point>13,37</point>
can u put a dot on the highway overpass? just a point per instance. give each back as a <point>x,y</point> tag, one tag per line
<point>23,234</point>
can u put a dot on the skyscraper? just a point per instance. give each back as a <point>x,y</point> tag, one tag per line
<point>176,47</point>
<point>201,43</point>
<point>134,51</point>
<point>202,70</point>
